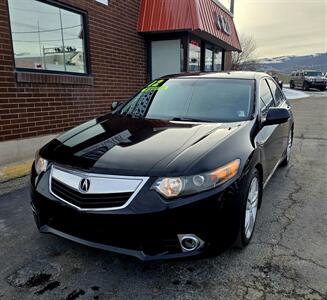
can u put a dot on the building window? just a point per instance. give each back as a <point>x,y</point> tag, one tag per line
<point>208,60</point>
<point>47,37</point>
<point>225,3</point>
<point>194,56</point>
<point>217,60</point>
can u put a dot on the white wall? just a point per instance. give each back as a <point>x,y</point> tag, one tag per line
<point>166,57</point>
<point>21,149</point>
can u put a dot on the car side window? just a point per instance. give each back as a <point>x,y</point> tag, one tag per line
<point>278,95</point>
<point>266,98</point>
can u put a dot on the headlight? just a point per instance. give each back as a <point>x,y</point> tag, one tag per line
<point>171,187</point>
<point>41,164</point>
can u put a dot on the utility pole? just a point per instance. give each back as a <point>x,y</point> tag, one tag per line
<point>63,41</point>
<point>40,48</point>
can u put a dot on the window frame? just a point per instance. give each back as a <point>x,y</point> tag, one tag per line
<point>84,15</point>
<point>277,103</point>
<point>264,115</point>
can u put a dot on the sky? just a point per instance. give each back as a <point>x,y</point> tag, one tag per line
<point>283,27</point>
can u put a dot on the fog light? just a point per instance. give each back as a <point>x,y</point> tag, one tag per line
<point>190,242</point>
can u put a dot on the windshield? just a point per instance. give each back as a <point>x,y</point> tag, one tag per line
<point>207,100</point>
<point>312,73</point>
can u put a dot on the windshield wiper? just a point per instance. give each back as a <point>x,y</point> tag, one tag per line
<point>188,119</point>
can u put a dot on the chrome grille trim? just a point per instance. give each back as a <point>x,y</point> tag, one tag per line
<point>99,185</point>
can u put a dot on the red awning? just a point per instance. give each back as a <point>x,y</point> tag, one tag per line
<point>203,17</point>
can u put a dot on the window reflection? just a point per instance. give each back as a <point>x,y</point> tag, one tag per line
<point>47,37</point>
<point>208,60</point>
<point>217,58</point>
<point>194,56</point>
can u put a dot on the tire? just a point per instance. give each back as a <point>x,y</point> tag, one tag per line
<point>287,158</point>
<point>292,85</point>
<point>253,186</point>
<point>306,86</point>
<point>322,89</point>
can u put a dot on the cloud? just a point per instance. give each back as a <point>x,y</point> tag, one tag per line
<point>284,27</point>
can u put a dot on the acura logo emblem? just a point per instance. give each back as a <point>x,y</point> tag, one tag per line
<point>84,185</point>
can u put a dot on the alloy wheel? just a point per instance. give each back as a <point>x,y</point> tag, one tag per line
<point>251,207</point>
<point>289,147</point>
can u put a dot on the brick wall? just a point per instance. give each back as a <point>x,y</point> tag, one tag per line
<point>33,104</point>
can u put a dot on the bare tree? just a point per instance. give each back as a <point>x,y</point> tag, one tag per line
<point>245,60</point>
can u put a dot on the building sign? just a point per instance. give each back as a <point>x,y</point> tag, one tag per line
<point>222,23</point>
<point>105,2</point>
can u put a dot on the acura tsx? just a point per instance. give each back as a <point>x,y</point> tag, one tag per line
<point>176,171</point>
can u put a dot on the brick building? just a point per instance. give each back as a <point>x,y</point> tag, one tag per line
<point>63,62</point>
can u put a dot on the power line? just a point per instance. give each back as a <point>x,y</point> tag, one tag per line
<point>50,30</point>
<point>45,41</point>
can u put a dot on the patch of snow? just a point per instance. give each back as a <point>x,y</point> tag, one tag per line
<point>294,94</point>
<point>274,60</point>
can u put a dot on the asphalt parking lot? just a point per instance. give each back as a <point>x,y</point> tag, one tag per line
<point>287,258</point>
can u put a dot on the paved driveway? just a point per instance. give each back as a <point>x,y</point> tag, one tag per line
<point>287,258</point>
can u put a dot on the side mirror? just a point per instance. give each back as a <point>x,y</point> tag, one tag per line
<point>114,105</point>
<point>276,116</point>
<point>280,83</point>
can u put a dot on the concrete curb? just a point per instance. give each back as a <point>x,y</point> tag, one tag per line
<point>15,170</point>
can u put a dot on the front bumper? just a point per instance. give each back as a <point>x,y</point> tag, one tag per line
<point>317,85</point>
<point>148,228</point>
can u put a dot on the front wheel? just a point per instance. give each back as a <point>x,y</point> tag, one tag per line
<point>323,89</point>
<point>306,86</point>
<point>251,200</point>
<point>292,85</point>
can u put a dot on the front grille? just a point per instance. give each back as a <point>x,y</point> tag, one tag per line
<point>88,200</point>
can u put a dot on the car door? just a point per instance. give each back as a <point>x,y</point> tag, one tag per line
<point>301,80</point>
<point>268,136</point>
<point>282,129</point>
<point>296,79</point>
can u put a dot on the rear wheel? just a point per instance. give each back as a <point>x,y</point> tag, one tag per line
<point>323,89</point>
<point>287,158</point>
<point>251,199</point>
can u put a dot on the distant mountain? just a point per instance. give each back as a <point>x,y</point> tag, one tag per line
<point>287,64</point>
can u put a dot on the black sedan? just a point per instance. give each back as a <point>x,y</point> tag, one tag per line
<point>176,171</point>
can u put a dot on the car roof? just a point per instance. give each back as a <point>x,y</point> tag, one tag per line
<point>223,75</point>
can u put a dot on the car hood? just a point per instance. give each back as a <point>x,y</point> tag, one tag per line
<point>317,78</point>
<point>129,146</point>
